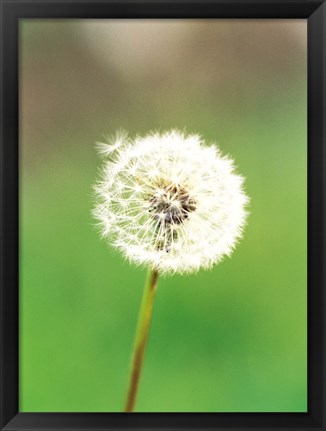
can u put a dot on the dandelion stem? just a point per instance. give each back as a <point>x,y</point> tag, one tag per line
<point>142,331</point>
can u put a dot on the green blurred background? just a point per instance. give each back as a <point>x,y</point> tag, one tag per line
<point>232,339</point>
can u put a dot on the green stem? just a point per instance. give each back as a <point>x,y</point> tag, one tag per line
<point>144,322</point>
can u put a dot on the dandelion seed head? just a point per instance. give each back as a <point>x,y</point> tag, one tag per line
<point>170,201</point>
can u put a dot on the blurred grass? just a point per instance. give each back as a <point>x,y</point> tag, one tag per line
<point>228,340</point>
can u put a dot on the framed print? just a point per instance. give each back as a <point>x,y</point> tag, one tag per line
<point>162,215</point>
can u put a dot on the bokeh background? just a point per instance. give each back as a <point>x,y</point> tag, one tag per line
<point>232,339</point>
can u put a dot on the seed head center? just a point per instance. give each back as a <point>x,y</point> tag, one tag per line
<point>171,203</point>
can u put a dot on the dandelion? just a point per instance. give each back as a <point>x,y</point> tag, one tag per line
<point>172,203</point>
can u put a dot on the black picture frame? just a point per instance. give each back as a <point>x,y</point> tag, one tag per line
<point>11,12</point>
